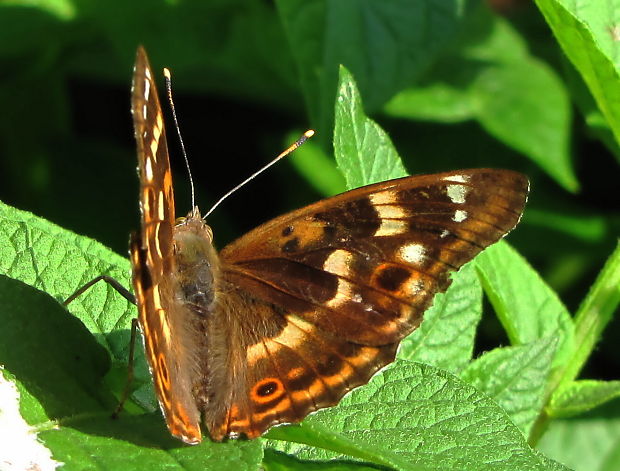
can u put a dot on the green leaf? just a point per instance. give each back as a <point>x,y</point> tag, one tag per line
<point>580,224</point>
<point>421,416</point>
<point>276,461</point>
<point>580,396</point>
<point>70,383</point>
<point>591,319</point>
<point>445,338</point>
<point>364,152</point>
<point>491,77</point>
<point>527,308</point>
<point>515,377</point>
<point>400,39</point>
<point>21,447</point>
<point>590,442</point>
<point>143,442</point>
<point>586,35</point>
<point>507,94</point>
<point>584,101</point>
<point>58,262</point>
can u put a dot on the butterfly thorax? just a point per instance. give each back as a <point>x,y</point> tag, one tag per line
<point>197,263</point>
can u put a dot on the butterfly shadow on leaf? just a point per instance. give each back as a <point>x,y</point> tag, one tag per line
<point>61,366</point>
<point>52,354</point>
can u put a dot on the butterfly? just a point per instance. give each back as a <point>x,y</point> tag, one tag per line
<point>299,311</point>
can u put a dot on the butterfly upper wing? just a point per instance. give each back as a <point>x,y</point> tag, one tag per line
<point>351,276</point>
<point>162,319</point>
<point>365,264</point>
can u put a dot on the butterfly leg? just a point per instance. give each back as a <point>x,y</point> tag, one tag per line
<point>132,349</point>
<point>124,292</point>
<point>134,329</point>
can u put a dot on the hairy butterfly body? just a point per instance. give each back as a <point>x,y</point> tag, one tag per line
<point>299,311</point>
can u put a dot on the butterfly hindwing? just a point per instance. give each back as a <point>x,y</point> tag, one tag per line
<point>287,368</point>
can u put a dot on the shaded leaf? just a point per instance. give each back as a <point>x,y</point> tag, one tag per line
<point>401,39</point>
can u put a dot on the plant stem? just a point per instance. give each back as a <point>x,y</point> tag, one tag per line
<point>592,317</point>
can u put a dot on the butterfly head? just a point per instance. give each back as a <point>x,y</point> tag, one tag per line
<point>194,222</point>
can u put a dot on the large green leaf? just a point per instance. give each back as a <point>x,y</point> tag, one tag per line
<point>446,337</point>
<point>588,36</point>
<point>413,416</point>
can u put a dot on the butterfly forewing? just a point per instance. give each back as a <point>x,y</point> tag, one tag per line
<point>153,262</point>
<point>365,264</point>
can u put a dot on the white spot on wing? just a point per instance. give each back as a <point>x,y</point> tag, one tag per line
<point>165,327</point>
<point>412,253</point>
<point>292,336</point>
<point>457,193</point>
<point>458,178</point>
<point>147,89</point>
<point>156,297</point>
<point>459,215</point>
<point>393,217</point>
<point>156,239</point>
<point>146,203</point>
<point>384,197</point>
<point>346,291</point>
<point>338,262</point>
<point>160,206</point>
<point>391,227</point>
<point>148,169</point>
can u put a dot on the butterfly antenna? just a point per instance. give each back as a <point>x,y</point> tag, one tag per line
<point>168,78</point>
<point>305,136</point>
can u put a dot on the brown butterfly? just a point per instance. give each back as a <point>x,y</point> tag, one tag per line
<point>293,315</point>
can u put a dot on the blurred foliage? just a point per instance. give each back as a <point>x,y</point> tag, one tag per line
<point>455,84</point>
